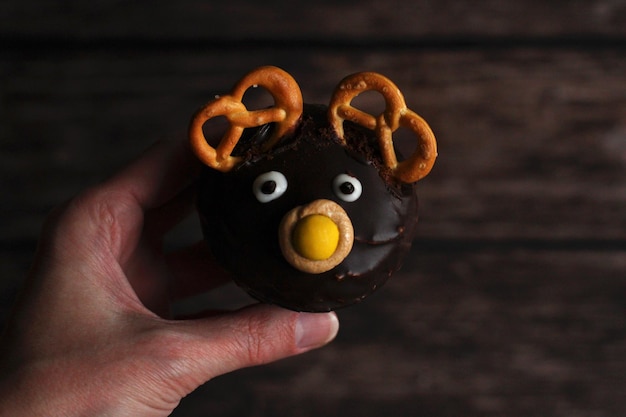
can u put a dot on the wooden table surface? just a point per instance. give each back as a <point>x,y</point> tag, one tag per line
<point>513,300</point>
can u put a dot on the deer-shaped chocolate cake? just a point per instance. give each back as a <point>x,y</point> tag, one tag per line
<point>309,205</point>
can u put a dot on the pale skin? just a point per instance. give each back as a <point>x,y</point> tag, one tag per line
<point>91,334</point>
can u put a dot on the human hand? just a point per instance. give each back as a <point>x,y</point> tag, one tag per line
<point>91,333</point>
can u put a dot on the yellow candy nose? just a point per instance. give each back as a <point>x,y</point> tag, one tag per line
<point>315,237</point>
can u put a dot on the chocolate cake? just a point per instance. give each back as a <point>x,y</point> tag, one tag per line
<point>319,218</point>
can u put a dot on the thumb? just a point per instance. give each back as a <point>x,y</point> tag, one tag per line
<point>253,336</point>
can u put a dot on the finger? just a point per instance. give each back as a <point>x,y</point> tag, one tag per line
<point>159,174</point>
<point>253,336</point>
<point>156,177</point>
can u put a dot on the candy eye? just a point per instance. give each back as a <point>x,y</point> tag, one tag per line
<point>347,188</point>
<point>269,186</point>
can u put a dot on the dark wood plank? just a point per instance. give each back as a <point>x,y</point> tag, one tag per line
<point>511,302</point>
<point>532,142</point>
<point>195,20</point>
<point>479,333</point>
<point>465,332</point>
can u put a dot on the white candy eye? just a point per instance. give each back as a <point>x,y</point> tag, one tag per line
<point>347,187</point>
<point>269,186</point>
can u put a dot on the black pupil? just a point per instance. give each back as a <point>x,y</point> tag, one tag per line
<point>268,187</point>
<point>347,188</point>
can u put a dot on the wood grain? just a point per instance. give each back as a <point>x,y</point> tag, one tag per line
<point>468,333</point>
<point>531,142</point>
<point>286,21</point>
<point>512,301</point>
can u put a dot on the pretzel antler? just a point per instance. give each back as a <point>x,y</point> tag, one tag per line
<point>395,115</point>
<point>286,113</point>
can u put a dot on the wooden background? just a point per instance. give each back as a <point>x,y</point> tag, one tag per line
<point>513,301</point>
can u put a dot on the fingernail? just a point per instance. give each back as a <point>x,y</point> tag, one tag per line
<point>315,329</point>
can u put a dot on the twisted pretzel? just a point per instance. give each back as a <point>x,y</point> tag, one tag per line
<point>395,115</point>
<point>286,112</point>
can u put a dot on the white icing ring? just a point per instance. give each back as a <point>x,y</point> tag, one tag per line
<point>357,188</point>
<point>272,176</point>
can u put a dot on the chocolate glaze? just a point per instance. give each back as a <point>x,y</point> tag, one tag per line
<point>243,233</point>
